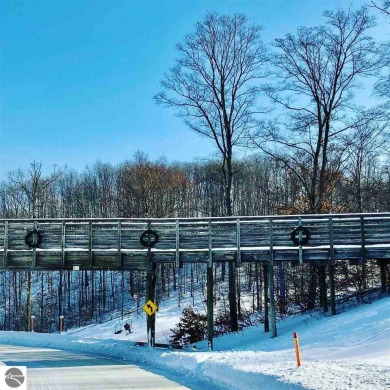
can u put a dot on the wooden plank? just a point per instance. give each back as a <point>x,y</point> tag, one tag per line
<point>119,255</point>
<point>306,217</point>
<point>224,234</point>
<point>177,242</point>
<point>90,237</point>
<point>210,258</point>
<point>63,243</point>
<point>34,250</point>
<point>49,260</point>
<point>362,240</point>
<point>17,232</point>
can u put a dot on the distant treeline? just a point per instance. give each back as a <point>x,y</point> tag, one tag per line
<point>144,188</point>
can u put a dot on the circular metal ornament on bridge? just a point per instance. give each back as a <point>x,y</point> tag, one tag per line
<point>149,238</point>
<point>305,235</point>
<point>33,239</point>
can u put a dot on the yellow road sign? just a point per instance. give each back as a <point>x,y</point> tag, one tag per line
<point>149,307</point>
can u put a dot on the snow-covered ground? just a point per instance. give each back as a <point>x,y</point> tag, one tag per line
<point>347,351</point>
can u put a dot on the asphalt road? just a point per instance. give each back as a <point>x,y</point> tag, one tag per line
<point>52,369</point>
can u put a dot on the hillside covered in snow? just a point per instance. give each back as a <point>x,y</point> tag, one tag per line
<point>347,351</point>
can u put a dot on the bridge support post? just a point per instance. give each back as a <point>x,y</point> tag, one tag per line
<point>210,306</point>
<point>332,289</point>
<point>271,282</point>
<point>272,300</point>
<point>210,290</point>
<point>331,269</point>
<point>150,295</point>
<point>266,298</point>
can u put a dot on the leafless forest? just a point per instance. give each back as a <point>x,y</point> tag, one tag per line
<point>292,136</point>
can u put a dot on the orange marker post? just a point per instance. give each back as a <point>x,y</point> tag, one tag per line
<point>297,353</point>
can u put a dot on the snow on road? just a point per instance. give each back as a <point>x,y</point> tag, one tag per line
<point>347,351</point>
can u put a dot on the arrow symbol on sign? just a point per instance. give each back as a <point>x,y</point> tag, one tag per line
<point>150,308</point>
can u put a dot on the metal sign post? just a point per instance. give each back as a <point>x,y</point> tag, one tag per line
<point>151,319</point>
<point>150,308</point>
<point>148,239</point>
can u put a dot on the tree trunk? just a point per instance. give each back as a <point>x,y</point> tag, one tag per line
<point>28,303</point>
<point>228,173</point>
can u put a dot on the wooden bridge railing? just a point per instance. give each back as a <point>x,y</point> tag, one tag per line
<point>115,243</point>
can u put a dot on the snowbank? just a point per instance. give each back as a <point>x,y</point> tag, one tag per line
<point>347,351</point>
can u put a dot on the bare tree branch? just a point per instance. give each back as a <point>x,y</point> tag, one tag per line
<point>385,7</point>
<point>316,72</point>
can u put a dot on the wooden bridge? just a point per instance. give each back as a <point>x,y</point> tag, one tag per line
<point>110,244</point>
<point>81,244</point>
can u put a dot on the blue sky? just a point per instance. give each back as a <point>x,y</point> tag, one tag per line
<point>78,76</point>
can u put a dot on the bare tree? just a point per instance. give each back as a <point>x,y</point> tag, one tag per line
<point>382,86</point>
<point>366,149</point>
<point>149,189</point>
<point>32,188</point>
<point>317,71</point>
<point>212,86</point>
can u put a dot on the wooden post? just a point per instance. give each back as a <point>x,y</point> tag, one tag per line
<point>210,307</point>
<point>300,250</point>
<point>331,269</point>
<point>90,243</point>
<point>272,306</point>
<point>363,240</point>
<point>210,293</point>
<point>238,241</point>
<point>29,287</point>
<point>363,252</point>
<point>34,250</point>
<point>150,295</point>
<point>63,236</point>
<point>266,314</point>
<point>177,228</point>
<point>5,261</point>
<point>332,290</point>
<point>119,259</point>
<point>271,282</point>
